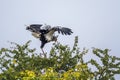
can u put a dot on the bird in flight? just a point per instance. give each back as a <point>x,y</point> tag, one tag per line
<point>46,33</point>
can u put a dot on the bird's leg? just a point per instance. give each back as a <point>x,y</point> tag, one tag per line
<point>42,50</point>
<point>55,39</point>
<point>43,53</point>
<point>56,42</point>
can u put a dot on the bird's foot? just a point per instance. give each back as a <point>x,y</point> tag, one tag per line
<point>43,55</point>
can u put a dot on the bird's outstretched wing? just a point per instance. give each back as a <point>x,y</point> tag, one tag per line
<point>62,30</point>
<point>34,28</point>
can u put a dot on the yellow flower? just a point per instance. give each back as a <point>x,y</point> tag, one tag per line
<point>14,61</point>
<point>22,73</point>
<point>76,74</point>
<point>30,73</point>
<point>27,78</point>
<point>27,73</point>
<point>66,74</point>
<point>50,69</point>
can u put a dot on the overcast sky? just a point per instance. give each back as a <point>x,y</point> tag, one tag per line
<point>96,22</point>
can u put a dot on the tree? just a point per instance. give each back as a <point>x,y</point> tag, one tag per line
<point>63,62</point>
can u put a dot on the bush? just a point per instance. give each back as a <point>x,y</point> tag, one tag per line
<point>63,63</point>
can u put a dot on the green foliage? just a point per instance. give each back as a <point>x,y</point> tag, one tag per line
<point>63,63</point>
<point>109,67</point>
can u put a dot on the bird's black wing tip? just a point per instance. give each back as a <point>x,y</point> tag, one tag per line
<point>63,30</point>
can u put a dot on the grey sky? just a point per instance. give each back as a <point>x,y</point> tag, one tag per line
<point>96,22</point>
